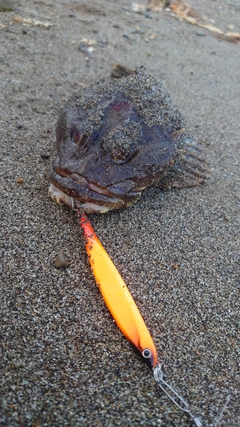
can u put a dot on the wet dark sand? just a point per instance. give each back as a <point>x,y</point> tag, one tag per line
<point>64,362</point>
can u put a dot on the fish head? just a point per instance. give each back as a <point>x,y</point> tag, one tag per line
<point>107,153</point>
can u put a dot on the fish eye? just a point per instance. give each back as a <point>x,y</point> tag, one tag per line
<point>120,156</point>
<point>78,136</point>
<point>121,149</point>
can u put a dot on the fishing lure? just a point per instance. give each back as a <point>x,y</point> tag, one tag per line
<point>124,310</point>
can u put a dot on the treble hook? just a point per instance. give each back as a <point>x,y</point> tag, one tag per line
<point>173,395</point>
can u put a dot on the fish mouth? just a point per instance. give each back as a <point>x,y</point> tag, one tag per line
<point>75,191</point>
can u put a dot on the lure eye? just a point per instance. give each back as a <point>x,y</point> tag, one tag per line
<point>78,136</point>
<point>148,357</point>
<point>147,354</point>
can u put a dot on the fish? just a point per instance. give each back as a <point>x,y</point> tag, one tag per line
<point>115,139</point>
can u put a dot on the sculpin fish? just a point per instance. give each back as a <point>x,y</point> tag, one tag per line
<point>114,140</point>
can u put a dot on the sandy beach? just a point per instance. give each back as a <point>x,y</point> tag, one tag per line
<point>63,360</point>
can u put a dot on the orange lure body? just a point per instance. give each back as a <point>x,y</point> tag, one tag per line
<point>117,296</point>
